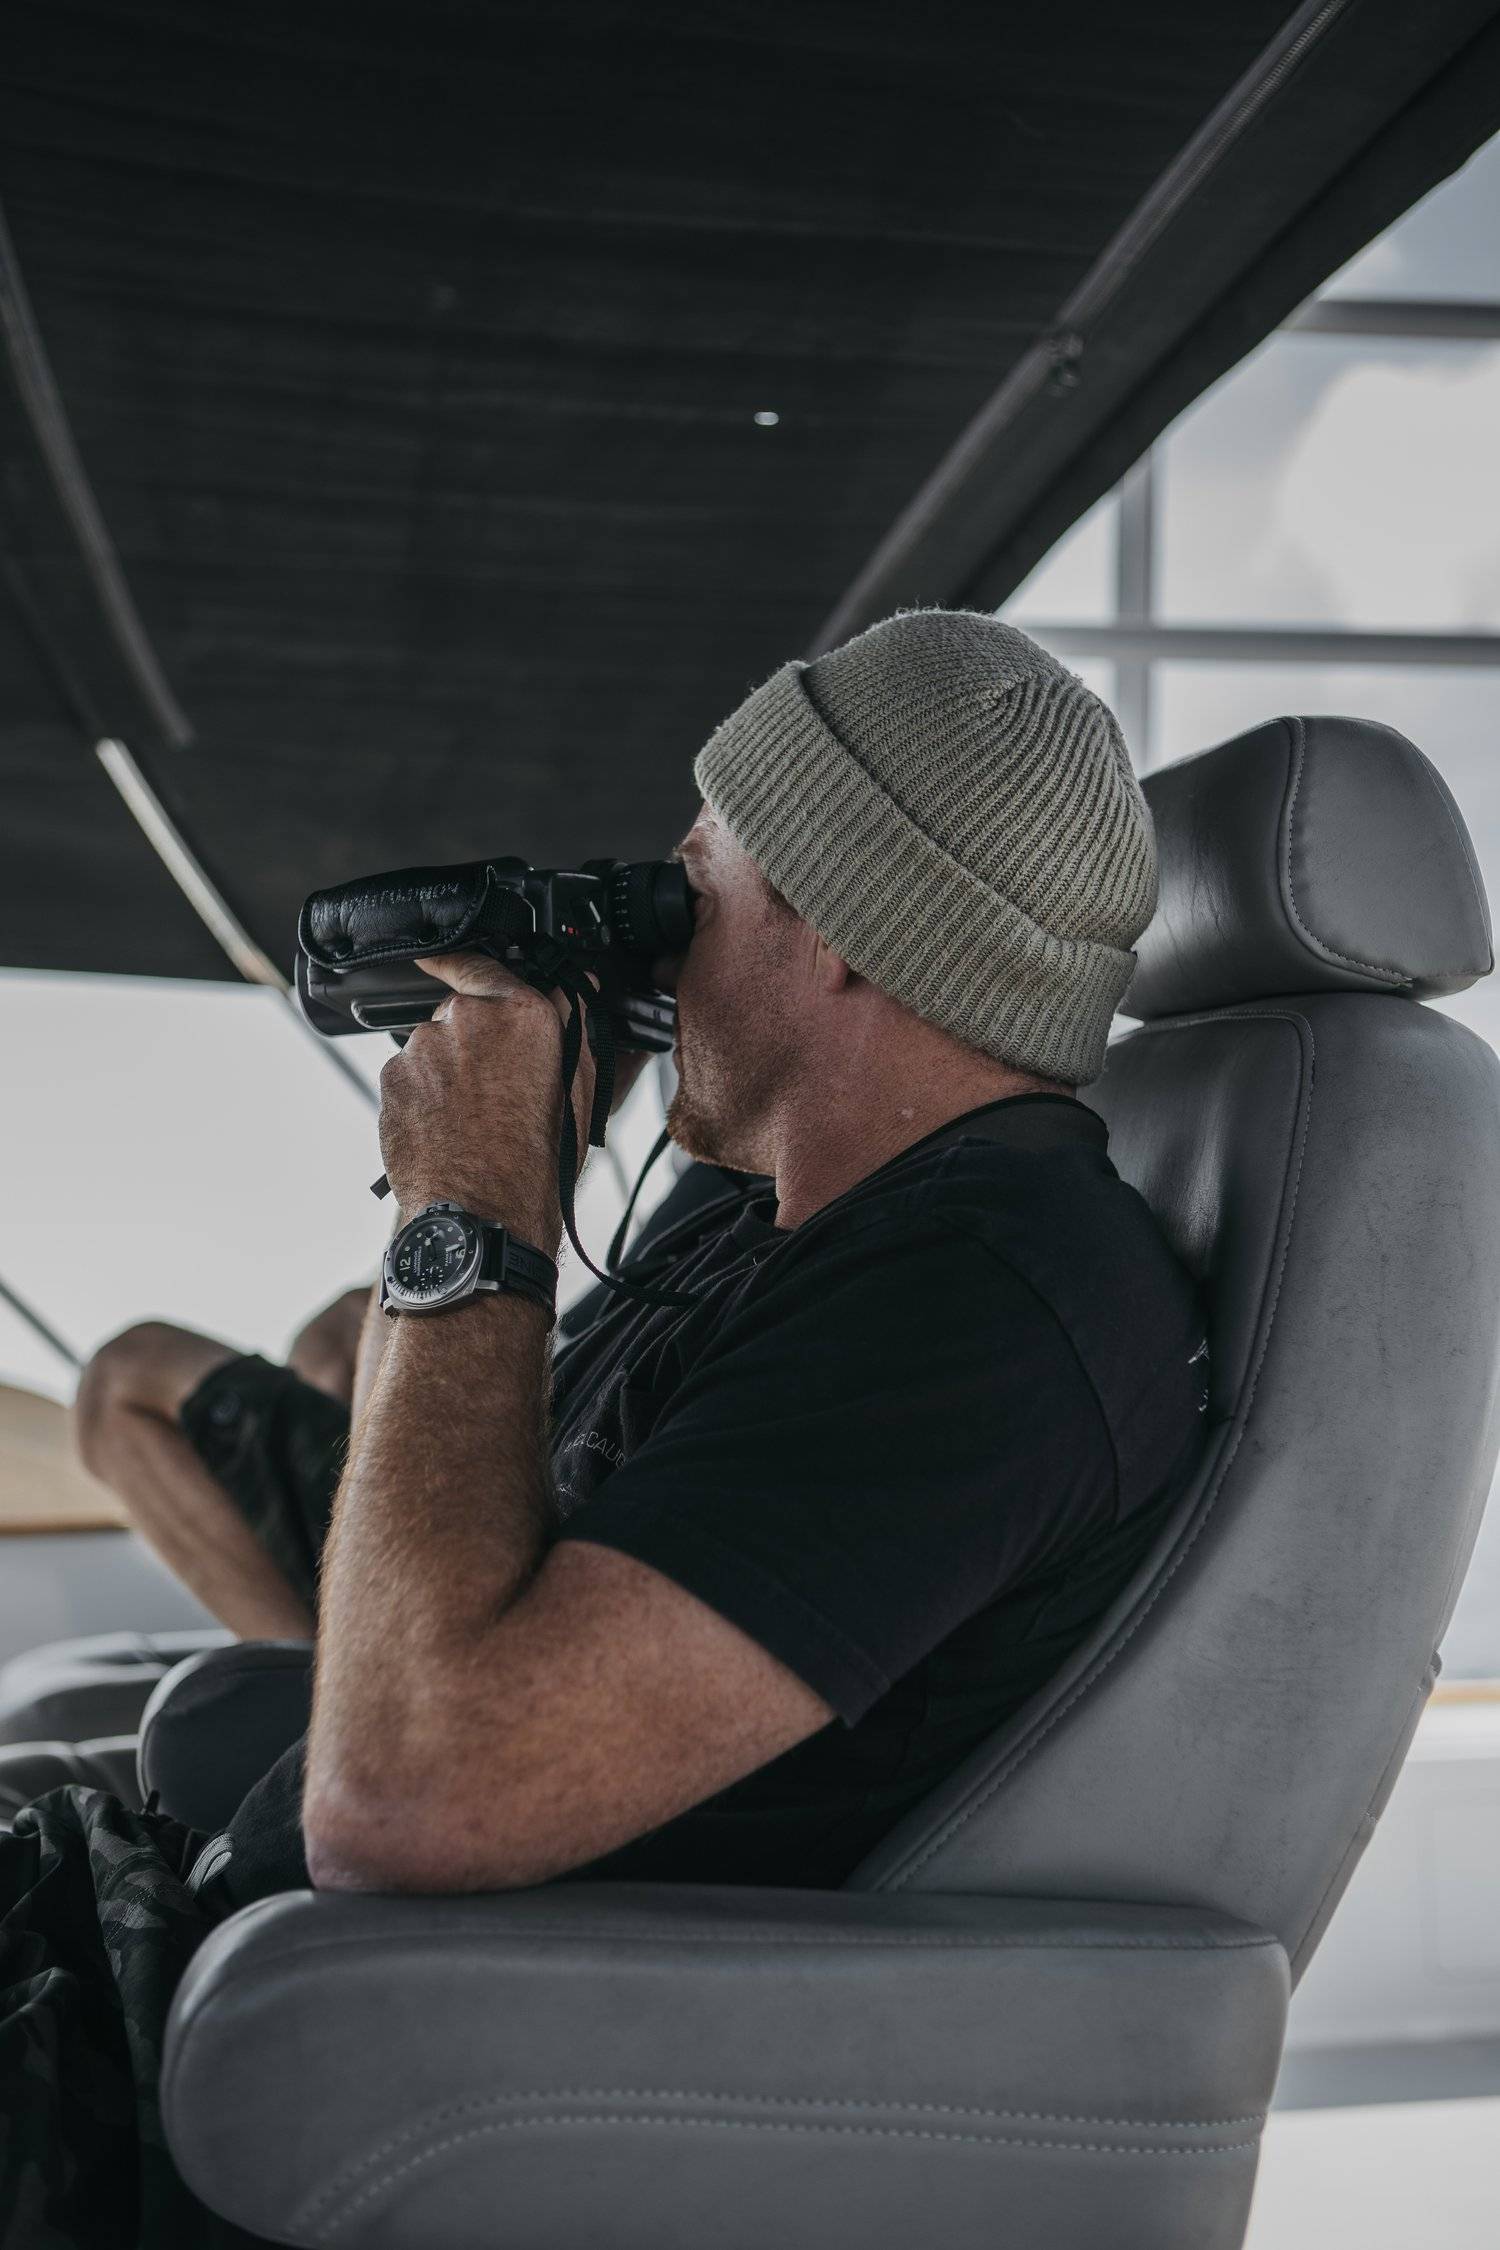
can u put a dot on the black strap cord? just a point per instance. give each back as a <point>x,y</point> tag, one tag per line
<point>584,997</point>
<point>549,966</point>
<point>618,1244</point>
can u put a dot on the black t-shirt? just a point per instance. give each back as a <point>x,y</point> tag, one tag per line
<point>913,1447</point>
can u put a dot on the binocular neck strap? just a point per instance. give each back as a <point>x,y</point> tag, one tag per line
<point>586,1005</point>
<point>551,967</point>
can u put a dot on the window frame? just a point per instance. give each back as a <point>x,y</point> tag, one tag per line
<point>1135,639</point>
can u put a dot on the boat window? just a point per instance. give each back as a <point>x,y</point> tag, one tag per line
<point>197,1160</point>
<point>1318,533</point>
<point>1448,245</point>
<point>1358,480</point>
<point>1076,581</point>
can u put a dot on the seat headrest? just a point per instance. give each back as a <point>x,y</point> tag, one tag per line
<point>1309,855</point>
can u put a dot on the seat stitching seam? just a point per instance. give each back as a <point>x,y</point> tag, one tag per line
<point>1375,968</point>
<point>750,2125</point>
<point>735,1936</point>
<point>351,2174</point>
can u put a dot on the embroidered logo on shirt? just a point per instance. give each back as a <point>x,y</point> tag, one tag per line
<point>595,1441</point>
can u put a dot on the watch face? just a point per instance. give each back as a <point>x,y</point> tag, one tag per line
<point>430,1255</point>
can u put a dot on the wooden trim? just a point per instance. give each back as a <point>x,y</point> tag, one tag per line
<point>1466,1691</point>
<point>19,1526</point>
<point>44,1487</point>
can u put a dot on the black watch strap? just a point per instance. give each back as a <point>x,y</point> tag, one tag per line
<point>519,1268</point>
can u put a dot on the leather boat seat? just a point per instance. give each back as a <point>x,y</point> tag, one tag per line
<point>1049,2007</point>
<point>67,1690</point>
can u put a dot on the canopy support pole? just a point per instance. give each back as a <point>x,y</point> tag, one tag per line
<point>31,371</point>
<point>39,1328</point>
<point>208,901</point>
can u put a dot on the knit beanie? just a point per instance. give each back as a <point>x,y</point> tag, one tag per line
<point>955,813</point>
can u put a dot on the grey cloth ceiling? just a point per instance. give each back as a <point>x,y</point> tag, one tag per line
<point>413,357</point>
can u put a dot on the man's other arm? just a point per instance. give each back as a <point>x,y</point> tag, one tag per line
<point>492,1709</point>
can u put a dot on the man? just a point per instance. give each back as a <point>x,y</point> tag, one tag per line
<point>719,1592</point>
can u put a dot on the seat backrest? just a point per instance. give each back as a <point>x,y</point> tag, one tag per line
<point>1323,1153</point>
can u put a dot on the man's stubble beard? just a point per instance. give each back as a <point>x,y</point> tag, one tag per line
<point>714,1114</point>
<point>709,1125</point>
<point>692,1132</point>
<point>681,1123</point>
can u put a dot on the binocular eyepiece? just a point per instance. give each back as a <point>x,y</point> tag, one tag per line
<point>359,941</point>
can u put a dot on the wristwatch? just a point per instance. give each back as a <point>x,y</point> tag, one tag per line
<point>444,1256</point>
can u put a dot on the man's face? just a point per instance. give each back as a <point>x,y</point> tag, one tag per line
<point>737,990</point>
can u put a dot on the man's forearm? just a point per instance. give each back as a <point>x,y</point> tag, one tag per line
<point>374,1335</point>
<point>442,1516</point>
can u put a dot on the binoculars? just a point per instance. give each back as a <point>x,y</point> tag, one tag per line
<point>358,942</point>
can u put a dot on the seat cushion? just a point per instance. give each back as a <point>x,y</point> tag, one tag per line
<point>29,1769</point>
<point>672,2066</point>
<point>70,1691</point>
<point>219,1723</point>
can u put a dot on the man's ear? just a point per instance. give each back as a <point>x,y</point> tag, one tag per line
<point>831,970</point>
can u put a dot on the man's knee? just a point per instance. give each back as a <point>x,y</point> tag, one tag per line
<point>149,1368</point>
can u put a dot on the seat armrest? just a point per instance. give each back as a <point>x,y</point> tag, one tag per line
<point>218,1722</point>
<point>654,2067</point>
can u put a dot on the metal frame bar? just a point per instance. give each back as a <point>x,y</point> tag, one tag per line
<point>207,900</point>
<point>39,1327</point>
<point>1245,644</point>
<point>48,419</point>
<point>1135,588</point>
<point>1441,320</point>
<point>185,868</point>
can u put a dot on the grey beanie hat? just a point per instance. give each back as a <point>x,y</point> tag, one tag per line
<point>957,816</point>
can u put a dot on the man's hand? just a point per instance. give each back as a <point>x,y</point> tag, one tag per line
<point>324,1352</point>
<point>472,1107</point>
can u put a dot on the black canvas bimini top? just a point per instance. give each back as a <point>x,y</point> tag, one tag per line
<point>423,427</point>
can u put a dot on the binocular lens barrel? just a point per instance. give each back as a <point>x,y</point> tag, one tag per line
<point>358,943</point>
<point>651,906</point>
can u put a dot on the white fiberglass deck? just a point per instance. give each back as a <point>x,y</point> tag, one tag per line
<point>1408,2175</point>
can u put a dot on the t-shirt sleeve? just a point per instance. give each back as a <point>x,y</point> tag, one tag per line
<point>879,1440</point>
